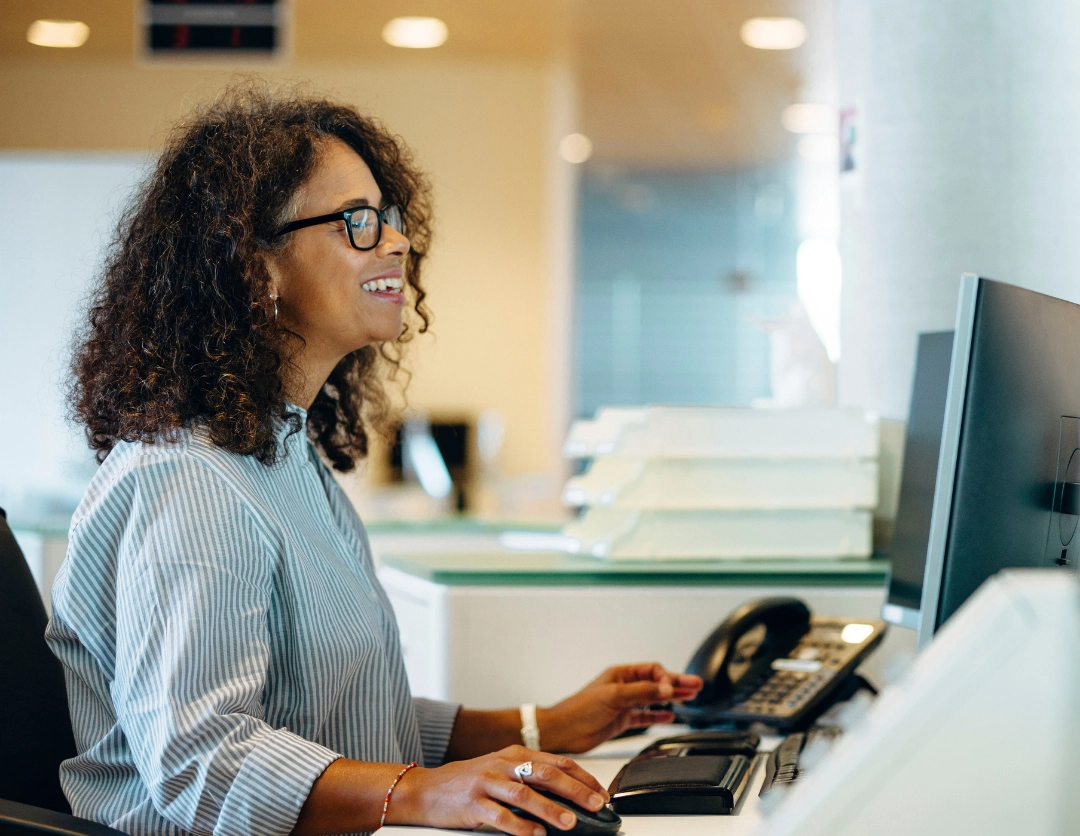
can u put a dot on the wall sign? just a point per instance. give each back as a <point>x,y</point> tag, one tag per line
<point>213,28</point>
<point>853,151</point>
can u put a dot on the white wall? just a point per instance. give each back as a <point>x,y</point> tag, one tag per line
<point>486,132</point>
<point>970,114</point>
<point>56,212</point>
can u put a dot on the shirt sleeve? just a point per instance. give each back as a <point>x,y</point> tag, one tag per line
<point>436,721</point>
<point>192,653</point>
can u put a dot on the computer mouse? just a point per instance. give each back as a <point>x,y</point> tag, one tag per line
<point>602,822</point>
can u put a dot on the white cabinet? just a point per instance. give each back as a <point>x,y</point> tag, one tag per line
<point>499,645</point>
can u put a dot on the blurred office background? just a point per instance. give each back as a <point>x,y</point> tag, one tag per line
<point>635,203</point>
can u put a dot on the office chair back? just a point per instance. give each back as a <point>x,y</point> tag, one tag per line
<point>35,728</point>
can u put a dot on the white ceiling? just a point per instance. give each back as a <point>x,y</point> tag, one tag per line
<point>662,85</point>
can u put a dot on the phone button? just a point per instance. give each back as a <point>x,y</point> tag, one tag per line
<point>796,665</point>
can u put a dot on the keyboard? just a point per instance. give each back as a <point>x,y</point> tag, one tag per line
<point>782,767</point>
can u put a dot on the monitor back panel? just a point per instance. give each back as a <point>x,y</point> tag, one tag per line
<point>1018,433</point>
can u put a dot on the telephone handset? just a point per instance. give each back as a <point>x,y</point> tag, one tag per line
<point>773,662</point>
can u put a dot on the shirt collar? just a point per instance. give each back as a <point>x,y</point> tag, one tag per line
<point>285,427</point>
<point>299,410</point>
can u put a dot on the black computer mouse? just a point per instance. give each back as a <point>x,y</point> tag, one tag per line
<point>603,822</point>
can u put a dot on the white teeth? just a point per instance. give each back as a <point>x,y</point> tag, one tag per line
<point>383,284</point>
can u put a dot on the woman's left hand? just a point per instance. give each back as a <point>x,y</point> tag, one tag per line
<point>615,701</point>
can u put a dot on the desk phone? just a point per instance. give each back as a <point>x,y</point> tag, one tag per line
<point>773,662</point>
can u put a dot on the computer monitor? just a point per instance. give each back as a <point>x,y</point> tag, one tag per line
<point>922,445</point>
<point>1008,479</point>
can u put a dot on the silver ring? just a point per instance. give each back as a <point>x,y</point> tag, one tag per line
<point>523,771</point>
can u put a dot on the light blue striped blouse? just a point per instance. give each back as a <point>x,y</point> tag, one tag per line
<point>224,639</point>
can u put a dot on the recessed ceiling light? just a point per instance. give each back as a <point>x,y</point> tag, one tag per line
<point>415,32</point>
<point>59,33</point>
<point>806,118</point>
<point>773,33</point>
<point>575,148</point>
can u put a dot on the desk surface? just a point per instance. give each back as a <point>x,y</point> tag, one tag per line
<point>553,569</point>
<point>605,761</point>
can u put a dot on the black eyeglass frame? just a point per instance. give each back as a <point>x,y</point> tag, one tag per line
<point>346,215</point>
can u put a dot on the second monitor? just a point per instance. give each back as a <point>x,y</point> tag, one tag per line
<point>1007,492</point>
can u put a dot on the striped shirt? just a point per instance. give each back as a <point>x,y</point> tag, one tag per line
<point>224,639</point>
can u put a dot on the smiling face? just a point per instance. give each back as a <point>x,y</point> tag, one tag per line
<point>327,292</point>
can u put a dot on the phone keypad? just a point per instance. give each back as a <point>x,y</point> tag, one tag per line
<point>785,692</point>
<point>802,676</point>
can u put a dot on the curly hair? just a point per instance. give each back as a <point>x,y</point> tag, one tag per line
<point>182,326</point>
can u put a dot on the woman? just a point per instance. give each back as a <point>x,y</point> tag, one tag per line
<point>233,665</point>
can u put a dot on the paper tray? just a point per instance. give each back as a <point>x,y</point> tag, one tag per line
<point>624,534</point>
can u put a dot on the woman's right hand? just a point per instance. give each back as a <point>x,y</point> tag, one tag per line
<point>466,794</point>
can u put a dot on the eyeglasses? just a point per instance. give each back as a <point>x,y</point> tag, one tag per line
<point>364,224</point>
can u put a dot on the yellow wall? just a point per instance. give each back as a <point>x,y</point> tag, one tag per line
<point>485,131</point>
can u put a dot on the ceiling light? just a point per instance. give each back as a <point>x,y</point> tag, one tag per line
<point>575,148</point>
<point>805,118</point>
<point>60,33</point>
<point>773,33</point>
<point>415,32</point>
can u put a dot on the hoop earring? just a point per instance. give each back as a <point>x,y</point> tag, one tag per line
<point>274,300</point>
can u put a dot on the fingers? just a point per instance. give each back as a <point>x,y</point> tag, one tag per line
<point>650,682</point>
<point>645,718</point>
<point>567,766</point>
<point>502,819</point>
<point>667,685</point>
<point>528,800</point>
<point>500,789</point>
<point>588,795</point>
<point>629,694</point>
<point>650,671</point>
<point>688,682</point>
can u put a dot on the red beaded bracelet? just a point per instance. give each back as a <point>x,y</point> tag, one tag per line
<point>389,792</point>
